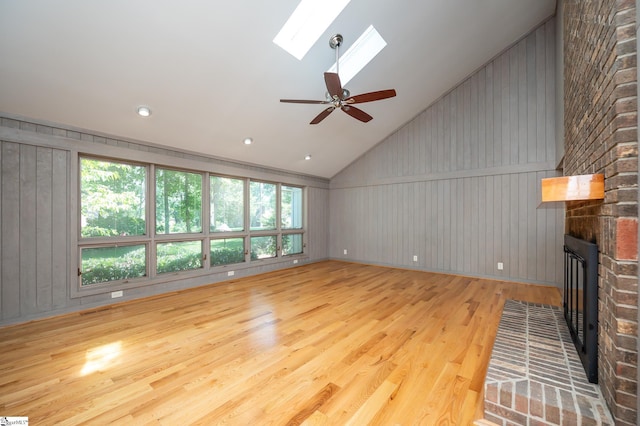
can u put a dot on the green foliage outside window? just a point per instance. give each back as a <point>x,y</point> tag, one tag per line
<point>263,247</point>
<point>291,207</point>
<point>227,204</point>
<point>112,199</point>
<point>178,256</point>
<point>262,206</point>
<point>291,244</point>
<point>104,264</point>
<point>227,251</point>
<point>178,202</point>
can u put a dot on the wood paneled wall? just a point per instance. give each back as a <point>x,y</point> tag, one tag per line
<point>459,185</point>
<point>38,224</point>
<point>34,234</point>
<point>318,218</point>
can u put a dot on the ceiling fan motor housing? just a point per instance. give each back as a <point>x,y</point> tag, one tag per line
<point>345,95</point>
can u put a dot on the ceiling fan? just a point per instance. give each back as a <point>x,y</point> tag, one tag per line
<point>340,98</point>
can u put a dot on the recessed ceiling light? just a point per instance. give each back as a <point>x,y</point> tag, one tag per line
<point>248,141</point>
<point>307,157</point>
<point>366,47</point>
<point>306,24</point>
<point>144,111</point>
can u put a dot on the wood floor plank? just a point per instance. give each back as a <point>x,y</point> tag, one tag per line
<point>326,343</point>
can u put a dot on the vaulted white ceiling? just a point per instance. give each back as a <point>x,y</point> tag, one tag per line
<point>212,75</point>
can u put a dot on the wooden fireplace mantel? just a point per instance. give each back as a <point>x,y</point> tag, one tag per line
<point>570,188</point>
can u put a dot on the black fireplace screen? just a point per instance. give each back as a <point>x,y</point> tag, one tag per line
<point>581,300</point>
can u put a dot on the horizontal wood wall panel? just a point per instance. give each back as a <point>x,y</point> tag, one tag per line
<point>459,185</point>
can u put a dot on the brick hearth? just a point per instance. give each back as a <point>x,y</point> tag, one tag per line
<point>535,376</point>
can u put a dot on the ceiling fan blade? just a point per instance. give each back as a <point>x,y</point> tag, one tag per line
<point>371,96</point>
<point>303,101</point>
<point>357,113</point>
<point>334,87</point>
<point>322,115</point>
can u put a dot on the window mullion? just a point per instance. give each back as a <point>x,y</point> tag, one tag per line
<point>151,221</point>
<point>206,220</point>
<point>279,220</point>
<point>247,220</point>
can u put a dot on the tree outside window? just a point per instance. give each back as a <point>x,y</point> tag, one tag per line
<point>291,244</point>
<point>178,202</point>
<point>112,198</point>
<point>227,204</point>
<point>291,207</point>
<point>263,206</point>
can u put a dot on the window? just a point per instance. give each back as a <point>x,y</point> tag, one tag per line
<point>197,222</point>
<point>112,199</point>
<point>263,206</point>
<point>227,204</point>
<point>178,202</point>
<point>178,256</point>
<point>291,207</point>
<point>263,247</point>
<point>227,251</point>
<point>111,263</point>
<point>291,244</point>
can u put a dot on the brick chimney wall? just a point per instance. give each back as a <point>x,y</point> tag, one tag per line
<point>601,136</point>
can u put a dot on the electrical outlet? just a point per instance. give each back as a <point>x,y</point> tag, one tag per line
<point>345,251</point>
<point>295,261</point>
<point>415,258</point>
<point>500,266</point>
<point>231,273</point>
<point>115,294</point>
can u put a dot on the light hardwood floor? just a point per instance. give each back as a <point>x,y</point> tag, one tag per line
<point>329,343</point>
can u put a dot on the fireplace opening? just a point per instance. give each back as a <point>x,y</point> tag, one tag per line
<point>580,300</point>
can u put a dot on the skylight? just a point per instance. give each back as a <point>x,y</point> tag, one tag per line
<point>306,24</point>
<point>365,48</point>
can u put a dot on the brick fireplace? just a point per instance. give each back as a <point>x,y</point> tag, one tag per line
<point>601,136</point>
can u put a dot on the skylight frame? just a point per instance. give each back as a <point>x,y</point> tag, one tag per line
<point>361,52</point>
<point>307,23</point>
